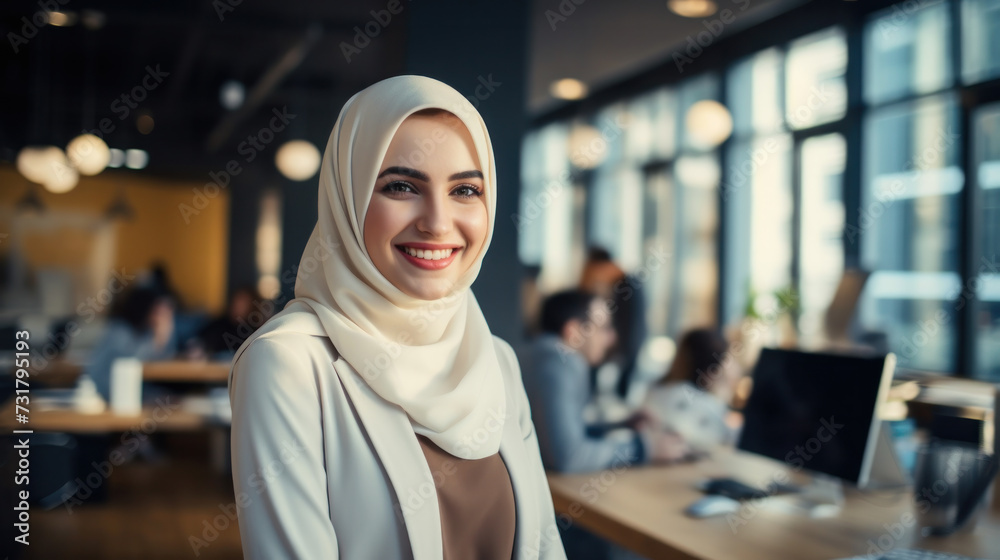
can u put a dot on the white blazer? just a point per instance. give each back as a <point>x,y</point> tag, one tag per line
<point>299,429</point>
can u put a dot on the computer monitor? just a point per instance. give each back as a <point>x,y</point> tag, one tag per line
<point>817,411</point>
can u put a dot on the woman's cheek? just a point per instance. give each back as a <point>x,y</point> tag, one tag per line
<point>478,225</point>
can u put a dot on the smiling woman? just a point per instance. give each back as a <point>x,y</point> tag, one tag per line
<point>415,429</point>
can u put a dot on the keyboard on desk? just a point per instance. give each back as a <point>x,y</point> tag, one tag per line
<point>736,490</point>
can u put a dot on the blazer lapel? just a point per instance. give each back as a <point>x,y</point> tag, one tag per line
<point>390,432</point>
<point>514,454</point>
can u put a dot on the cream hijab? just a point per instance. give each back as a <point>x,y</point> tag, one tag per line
<point>434,359</point>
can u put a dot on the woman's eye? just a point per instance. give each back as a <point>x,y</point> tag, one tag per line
<point>468,191</point>
<point>398,187</point>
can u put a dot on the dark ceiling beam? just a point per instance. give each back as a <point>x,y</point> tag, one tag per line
<point>271,79</point>
<point>271,23</point>
<point>185,62</point>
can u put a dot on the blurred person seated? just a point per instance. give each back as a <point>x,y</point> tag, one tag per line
<point>223,335</point>
<point>158,278</point>
<point>692,399</point>
<point>141,327</point>
<point>576,334</point>
<point>626,300</point>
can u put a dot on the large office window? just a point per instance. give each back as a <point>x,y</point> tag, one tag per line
<point>816,91</point>
<point>652,202</point>
<point>642,188</point>
<point>910,230</point>
<point>982,291</point>
<point>912,183</point>
<point>778,97</point>
<point>980,40</point>
<point>757,190</point>
<point>908,55</point>
<point>547,211</point>
<point>821,230</point>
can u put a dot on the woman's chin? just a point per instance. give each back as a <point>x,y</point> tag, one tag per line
<point>424,289</point>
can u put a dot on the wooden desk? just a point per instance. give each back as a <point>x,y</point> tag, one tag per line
<point>641,509</point>
<point>185,371</point>
<point>59,373</point>
<point>162,418</point>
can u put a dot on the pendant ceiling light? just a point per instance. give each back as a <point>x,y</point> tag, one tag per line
<point>298,160</point>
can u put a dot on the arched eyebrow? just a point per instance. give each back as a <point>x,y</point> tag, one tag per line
<point>472,174</point>
<point>409,172</point>
<point>421,176</point>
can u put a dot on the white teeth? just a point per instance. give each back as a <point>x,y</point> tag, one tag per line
<point>428,255</point>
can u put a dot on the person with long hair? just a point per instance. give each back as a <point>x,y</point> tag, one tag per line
<point>376,415</point>
<point>692,399</point>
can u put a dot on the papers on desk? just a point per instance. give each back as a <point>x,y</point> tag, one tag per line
<point>85,401</point>
<point>214,405</point>
<point>53,399</point>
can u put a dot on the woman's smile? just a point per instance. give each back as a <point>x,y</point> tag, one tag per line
<point>427,256</point>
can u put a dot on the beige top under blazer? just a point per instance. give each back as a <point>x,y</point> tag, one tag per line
<point>325,468</point>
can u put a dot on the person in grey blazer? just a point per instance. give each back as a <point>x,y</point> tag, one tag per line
<point>576,334</point>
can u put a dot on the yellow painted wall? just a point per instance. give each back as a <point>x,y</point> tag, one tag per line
<point>195,253</point>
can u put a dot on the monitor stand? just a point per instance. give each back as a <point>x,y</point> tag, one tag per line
<point>823,496</point>
<point>886,472</point>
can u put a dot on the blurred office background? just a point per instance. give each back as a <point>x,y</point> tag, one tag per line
<point>815,173</point>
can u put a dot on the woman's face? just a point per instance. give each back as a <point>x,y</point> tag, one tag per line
<point>427,219</point>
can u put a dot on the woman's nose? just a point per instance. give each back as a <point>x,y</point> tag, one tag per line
<point>435,217</point>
